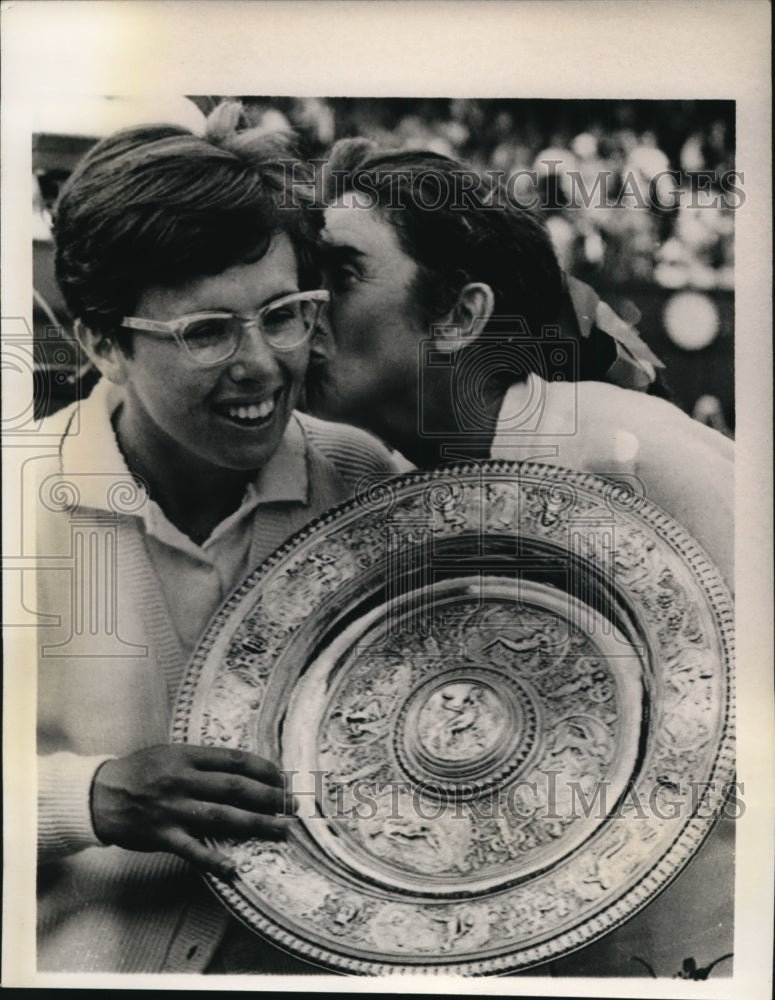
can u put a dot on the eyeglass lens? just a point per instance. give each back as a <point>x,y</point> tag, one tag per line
<point>284,326</point>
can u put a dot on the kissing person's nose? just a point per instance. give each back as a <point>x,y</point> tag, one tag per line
<point>321,345</point>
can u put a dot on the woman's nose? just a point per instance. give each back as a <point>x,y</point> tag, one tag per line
<point>253,357</point>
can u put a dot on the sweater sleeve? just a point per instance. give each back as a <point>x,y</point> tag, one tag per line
<point>64,814</point>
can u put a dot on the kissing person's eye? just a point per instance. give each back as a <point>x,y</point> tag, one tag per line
<point>282,315</point>
<point>340,278</point>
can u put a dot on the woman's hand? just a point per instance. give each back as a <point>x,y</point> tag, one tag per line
<point>163,798</point>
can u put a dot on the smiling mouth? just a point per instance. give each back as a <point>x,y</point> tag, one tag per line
<point>250,414</point>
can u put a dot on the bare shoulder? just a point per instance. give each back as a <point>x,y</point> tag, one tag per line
<point>650,418</point>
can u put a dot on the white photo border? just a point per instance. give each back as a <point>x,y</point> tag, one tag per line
<point>659,49</point>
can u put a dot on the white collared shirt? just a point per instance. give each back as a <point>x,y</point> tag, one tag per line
<point>210,570</point>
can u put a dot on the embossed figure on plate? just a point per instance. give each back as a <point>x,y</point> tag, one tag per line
<point>461,720</point>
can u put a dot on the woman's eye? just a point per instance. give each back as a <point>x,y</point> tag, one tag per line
<point>205,332</point>
<point>282,315</point>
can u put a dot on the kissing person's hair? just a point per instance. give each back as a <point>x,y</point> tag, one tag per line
<point>454,239</point>
<point>159,206</point>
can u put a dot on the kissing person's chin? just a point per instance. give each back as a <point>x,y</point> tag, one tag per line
<point>317,389</point>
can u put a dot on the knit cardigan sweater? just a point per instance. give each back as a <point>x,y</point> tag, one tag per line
<point>108,674</point>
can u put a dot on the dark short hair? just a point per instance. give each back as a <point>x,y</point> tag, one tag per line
<point>458,226</point>
<point>159,206</point>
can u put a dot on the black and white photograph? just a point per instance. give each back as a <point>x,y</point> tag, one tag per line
<point>387,523</point>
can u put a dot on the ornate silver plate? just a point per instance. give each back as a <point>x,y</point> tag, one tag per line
<point>504,697</point>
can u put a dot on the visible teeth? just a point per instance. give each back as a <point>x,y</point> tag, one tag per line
<point>256,411</point>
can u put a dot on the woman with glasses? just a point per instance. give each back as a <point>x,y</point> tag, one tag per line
<point>189,266</point>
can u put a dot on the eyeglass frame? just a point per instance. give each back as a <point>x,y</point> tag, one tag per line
<point>175,328</point>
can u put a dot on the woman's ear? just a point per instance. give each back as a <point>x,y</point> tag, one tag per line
<point>469,315</point>
<point>103,352</point>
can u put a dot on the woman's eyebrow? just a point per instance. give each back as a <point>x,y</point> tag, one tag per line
<point>276,296</point>
<point>226,311</point>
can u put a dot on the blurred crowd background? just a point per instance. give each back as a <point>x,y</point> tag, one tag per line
<point>667,262</point>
